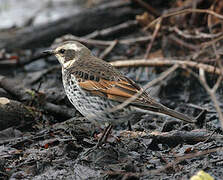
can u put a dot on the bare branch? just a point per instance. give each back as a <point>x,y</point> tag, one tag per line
<point>165,62</point>
<point>185,11</point>
<point>198,35</point>
<point>108,49</point>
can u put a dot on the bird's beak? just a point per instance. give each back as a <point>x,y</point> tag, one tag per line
<point>48,52</point>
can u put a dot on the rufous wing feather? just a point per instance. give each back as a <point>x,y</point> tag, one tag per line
<point>123,89</point>
<point>111,88</point>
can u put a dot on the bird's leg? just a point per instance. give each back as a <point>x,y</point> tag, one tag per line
<point>129,126</point>
<point>101,140</point>
<point>104,136</point>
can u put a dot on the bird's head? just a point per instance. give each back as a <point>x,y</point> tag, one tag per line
<point>70,52</point>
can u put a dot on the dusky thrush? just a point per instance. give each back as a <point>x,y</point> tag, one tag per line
<point>94,87</point>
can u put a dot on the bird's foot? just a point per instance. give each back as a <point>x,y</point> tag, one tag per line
<point>101,141</point>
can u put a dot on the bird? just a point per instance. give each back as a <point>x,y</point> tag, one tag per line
<point>94,87</point>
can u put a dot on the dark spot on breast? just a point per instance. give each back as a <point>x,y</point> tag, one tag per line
<point>69,54</point>
<point>85,76</point>
<point>82,74</point>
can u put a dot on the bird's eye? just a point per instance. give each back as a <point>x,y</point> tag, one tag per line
<point>62,51</point>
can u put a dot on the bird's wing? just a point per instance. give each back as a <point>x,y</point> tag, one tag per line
<point>114,90</point>
<point>118,90</point>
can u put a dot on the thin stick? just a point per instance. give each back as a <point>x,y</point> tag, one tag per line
<point>156,30</point>
<point>183,43</point>
<point>149,46</point>
<point>108,49</point>
<point>185,11</point>
<point>165,62</point>
<point>93,42</point>
<point>199,35</point>
<point>111,30</point>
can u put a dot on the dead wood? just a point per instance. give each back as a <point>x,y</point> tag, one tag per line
<point>178,137</point>
<point>16,89</point>
<point>60,110</point>
<point>160,62</point>
<point>34,98</point>
<point>3,93</point>
<point>172,138</point>
<point>81,23</point>
<point>14,113</point>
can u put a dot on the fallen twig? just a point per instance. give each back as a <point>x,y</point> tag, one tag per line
<point>160,62</point>
<point>183,43</point>
<point>209,43</point>
<point>185,11</point>
<point>149,46</point>
<point>156,30</point>
<point>199,35</point>
<point>128,41</point>
<point>112,30</point>
<point>172,138</point>
<point>108,49</point>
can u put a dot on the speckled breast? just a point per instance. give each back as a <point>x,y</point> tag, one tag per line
<point>91,106</point>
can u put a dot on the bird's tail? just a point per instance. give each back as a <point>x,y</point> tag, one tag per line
<point>159,108</point>
<point>177,115</point>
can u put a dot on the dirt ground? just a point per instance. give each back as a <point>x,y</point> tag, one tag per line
<point>42,136</point>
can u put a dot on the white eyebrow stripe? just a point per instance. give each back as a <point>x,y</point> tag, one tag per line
<point>69,46</point>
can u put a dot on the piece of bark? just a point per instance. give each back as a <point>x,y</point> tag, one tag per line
<point>60,110</point>
<point>3,93</point>
<point>14,113</point>
<point>80,24</point>
<point>178,137</point>
<point>28,96</point>
<point>172,138</point>
<point>15,88</point>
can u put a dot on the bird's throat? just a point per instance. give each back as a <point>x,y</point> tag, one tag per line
<point>68,64</point>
